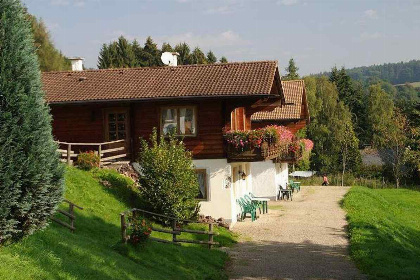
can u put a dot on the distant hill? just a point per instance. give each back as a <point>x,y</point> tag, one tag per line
<point>395,73</point>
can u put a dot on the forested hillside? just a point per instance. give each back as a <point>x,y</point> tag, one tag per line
<point>395,73</point>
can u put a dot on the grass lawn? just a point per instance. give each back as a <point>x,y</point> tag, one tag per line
<point>384,226</point>
<point>94,251</point>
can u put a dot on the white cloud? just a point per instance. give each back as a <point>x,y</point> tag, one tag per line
<point>223,10</point>
<point>372,14</point>
<point>287,2</point>
<point>207,41</point>
<point>368,36</point>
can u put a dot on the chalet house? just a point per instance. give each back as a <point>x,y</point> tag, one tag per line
<point>268,175</point>
<point>195,101</point>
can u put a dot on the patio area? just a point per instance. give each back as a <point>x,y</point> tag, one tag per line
<point>300,239</point>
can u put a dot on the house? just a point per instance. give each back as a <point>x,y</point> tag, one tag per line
<point>294,115</point>
<point>196,102</point>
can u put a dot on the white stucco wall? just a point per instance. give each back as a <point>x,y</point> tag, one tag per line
<point>219,203</point>
<point>264,178</point>
<point>282,176</point>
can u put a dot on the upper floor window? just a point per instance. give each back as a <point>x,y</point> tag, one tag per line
<point>178,120</point>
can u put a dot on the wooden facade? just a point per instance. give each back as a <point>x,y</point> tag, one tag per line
<point>91,122</point>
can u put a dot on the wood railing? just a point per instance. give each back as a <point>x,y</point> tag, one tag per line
<point>265,152</point>
<point>107,151</point>
<point>175,230</point>
<point>69,214</point>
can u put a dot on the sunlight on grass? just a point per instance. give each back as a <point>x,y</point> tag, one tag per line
<point>94,251</point>
<point>384,227</point>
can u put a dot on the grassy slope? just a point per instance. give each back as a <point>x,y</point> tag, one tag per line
<point>384,230</point>
<point>94,251</point>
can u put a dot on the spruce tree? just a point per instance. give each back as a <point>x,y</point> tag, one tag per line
<point>211,58</point>
<point>291,70</point>
<point>184,53</point>
<point>125,53</point>
<point>198,57</point>
<point>223,60</point>
<point>151,53</point>
<point>166,47</point>
<point>104,59</point>
<point>31,176</point>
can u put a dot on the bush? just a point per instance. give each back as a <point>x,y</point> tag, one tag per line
<point>168,182</point>
<point>31,176</point>
<point>88,160</point>
<point>139,230</point>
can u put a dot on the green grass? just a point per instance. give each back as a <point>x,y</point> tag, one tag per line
<point>384,227</point>
<point>94,251</point>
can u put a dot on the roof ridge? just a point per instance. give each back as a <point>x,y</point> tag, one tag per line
<point>162,67</point>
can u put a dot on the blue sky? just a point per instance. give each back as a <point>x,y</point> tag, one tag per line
<point>318,34</point>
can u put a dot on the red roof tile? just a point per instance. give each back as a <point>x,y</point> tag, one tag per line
<point>229,79</point>
<point>294,96</point>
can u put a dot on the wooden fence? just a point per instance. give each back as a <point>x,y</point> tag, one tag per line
<point>69,214</point>
<point>175,230</point>
<point>108,151</point>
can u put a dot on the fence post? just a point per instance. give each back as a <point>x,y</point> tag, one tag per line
<point>99,154</point>
<point>210,235</point>
<point>174,229</point>
<point>123,228</point>
<point>71,211</point>
<point>69,154</point>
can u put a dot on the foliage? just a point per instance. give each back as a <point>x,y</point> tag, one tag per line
<point>168,181</point>
<point>243,140</point>
<point>223,60</point>
<point>31,175</point>
<point>125,54</point>
<point>88,160</point>
<point>139,229</point>
<point>95,250</point>
<point>378,217</point>
<point>291,70</point>
<point>50,59</point>
<point>326,129</point>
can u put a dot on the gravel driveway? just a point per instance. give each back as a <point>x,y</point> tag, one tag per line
<point>300,239</point>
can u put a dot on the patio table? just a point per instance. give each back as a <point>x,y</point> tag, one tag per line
<point>264,203</point>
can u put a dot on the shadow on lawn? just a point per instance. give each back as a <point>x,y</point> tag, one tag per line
<point>276,260</point>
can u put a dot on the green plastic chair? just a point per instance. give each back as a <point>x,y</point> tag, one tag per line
<point>247,208</point>
<point>294,186</point>
<point>258,204</point>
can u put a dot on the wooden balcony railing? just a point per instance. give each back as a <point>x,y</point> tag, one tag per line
<point>265,152</point>
<point>108,152</point>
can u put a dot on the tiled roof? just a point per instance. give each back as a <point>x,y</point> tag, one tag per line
<point>293,94</point>
<point>228,79</point>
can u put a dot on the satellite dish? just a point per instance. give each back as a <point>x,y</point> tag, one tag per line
<point>167,58</point>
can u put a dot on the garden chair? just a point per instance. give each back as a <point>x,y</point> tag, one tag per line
<point>257,204</point>
<point>262,201</point>
<point>247,208</point>
<point>285,193</point>
<point>294,185</point>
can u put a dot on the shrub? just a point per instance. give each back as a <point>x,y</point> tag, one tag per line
<point>168,182</point>
<point>31,176</point>
<point>139,230</point>
<point>88,160</point>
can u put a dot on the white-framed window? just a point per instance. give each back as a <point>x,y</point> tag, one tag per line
<point>203,190</point>
<point>180,120</point>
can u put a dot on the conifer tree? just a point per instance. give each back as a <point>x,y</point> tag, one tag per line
<point>223,60</point>
<point>125,53</point>
<point>31,176</point>
<point>291,70</point>
<point>211,58</point>
<point>104,59</point>
<point>184,53</point>
<point>151,53</point>
<point>166,47</point>
<point>198,57</point>
<point>138,53</point>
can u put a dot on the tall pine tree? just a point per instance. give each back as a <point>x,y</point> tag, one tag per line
<point>291,70</point>
<point>31,176</point>
<point>211,58</point>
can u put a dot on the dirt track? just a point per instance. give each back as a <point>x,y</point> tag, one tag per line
<point>300,239</point>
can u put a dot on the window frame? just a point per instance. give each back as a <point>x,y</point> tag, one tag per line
<point>206,184</point>
<point>178,116</point>
<point>116,110</point>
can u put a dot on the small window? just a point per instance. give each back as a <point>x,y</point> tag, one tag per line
<point>202,182</point>
<point>179,121</point>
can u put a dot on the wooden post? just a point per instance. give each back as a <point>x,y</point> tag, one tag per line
<point>210,235</point>
<point>123,228</point>
<point>99,153</point>
<point>71,211</point>
<point>69,154</point>
<point>174,229</point>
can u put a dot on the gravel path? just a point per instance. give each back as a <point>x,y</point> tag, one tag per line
<point>300,239</point>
